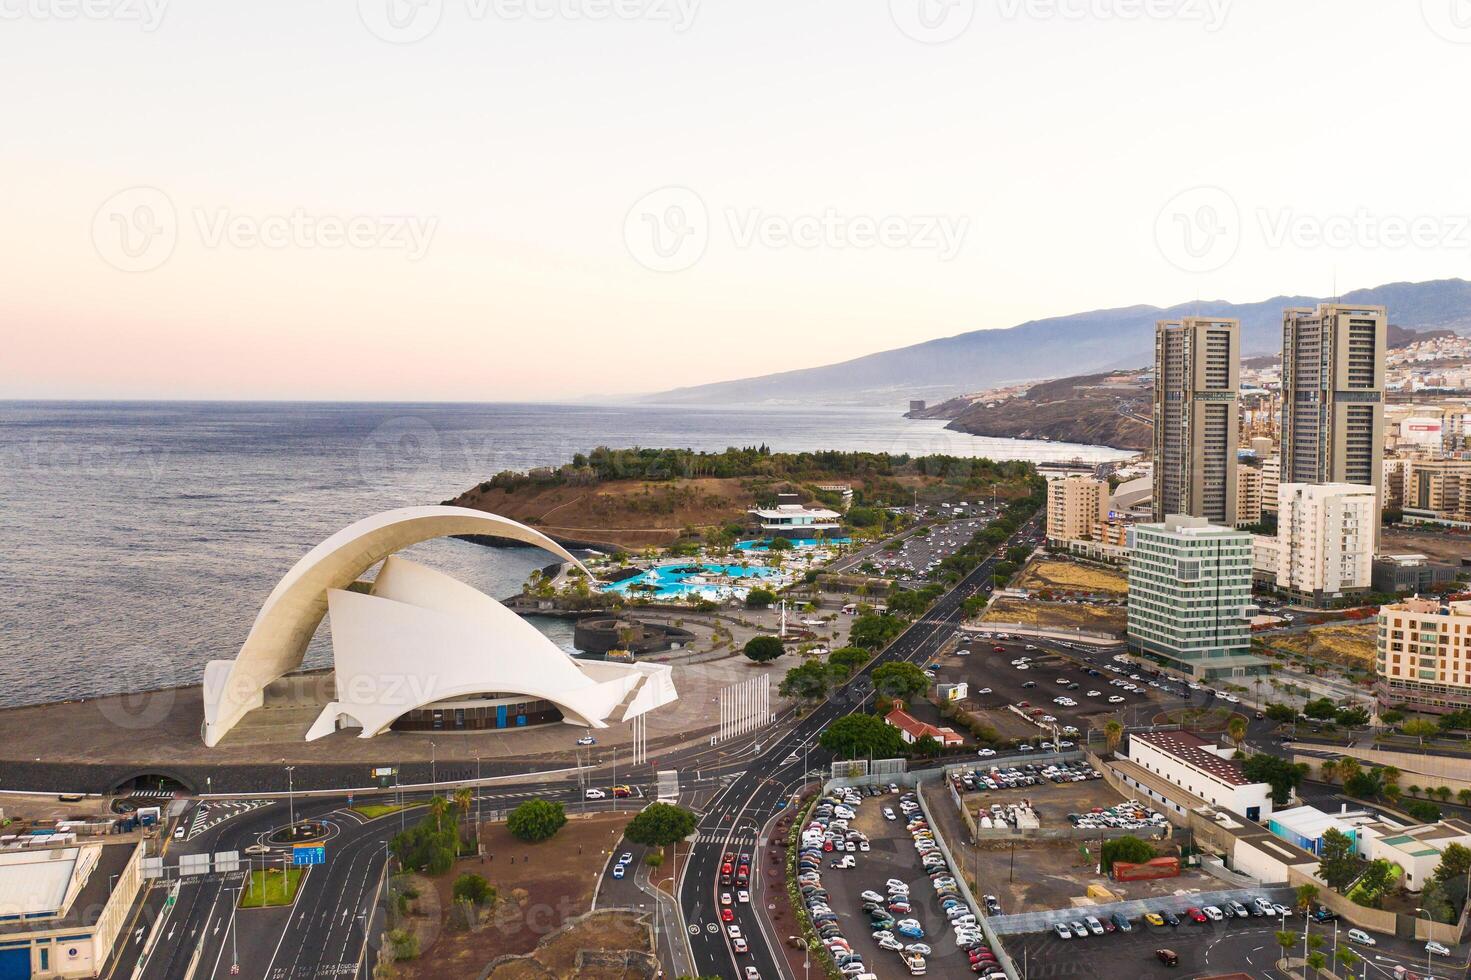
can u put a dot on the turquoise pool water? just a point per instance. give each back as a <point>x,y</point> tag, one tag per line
<point>798,542</point>
<point>689,578</point>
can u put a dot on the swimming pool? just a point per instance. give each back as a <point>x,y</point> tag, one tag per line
<point>796,542</point>
<point>708,580</point>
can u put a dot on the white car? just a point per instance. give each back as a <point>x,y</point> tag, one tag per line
<point>1062,931</point>
<point>1094,694</point>
<point>985,753</point>
<point>1437,948</point>
<point>1115,700</point>
<point>984,690</point>
<point>889,813</point>
<point>1362,938</point>
<point>1213,913</point>
<point>587,740</point>
<point>743,896</point>
<point>595,794</point>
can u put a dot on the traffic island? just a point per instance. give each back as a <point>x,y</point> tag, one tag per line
<point>271,888</point>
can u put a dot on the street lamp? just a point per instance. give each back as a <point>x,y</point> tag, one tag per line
<point>433,768</point>
<point>1428,952</point>
<point>291,799</point>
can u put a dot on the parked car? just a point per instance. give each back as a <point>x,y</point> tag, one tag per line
<point>1063,932</point>
<point>1362,938</point>
<point>1167,956</point>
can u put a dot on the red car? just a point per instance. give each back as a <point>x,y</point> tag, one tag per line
<point>726,915</point>
<point>1196,915</point>
<point>998,648</point>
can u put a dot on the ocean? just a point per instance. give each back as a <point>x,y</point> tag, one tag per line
<point>137,540</point>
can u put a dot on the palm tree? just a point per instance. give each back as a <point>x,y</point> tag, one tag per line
<point>1348,768</point>
<point>1348,958</point>
<point>1113,732</point>
<point>1414,790</point>
<point>1287,940</point>
<point>1306,895</point>
<point>1390,774</point>
<point>1443,793</point>
<point>1330,769</point>
<point>1236,728</point>
<point>1317,960</point>
<point>463,797</point>
<point>1465,797</point>
<point>438,807</point>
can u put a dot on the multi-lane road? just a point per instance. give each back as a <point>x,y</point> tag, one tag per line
<point>732,822</point>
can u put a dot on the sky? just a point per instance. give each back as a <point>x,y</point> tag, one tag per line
<point>490,200</point>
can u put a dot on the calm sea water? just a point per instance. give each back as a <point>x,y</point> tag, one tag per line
<point>137,540</point>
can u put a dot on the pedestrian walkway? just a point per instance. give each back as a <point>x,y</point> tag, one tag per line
<point>210,815</point>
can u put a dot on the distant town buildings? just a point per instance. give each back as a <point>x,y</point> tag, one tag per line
<point>1324,545</point>
<point>1424,655</point>
<point>1410,573</point>
<point>1248,494</point>
<point>1189,591</point>
<point>1086,518</point>
<point>1333,394</point>
<point>1438,490</point>
<point>1197,377</point>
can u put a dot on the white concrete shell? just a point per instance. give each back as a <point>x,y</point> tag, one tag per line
<point>422,637</point>
<point>294,609</point>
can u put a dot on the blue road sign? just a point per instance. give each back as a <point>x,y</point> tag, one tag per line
<point>304,854</point>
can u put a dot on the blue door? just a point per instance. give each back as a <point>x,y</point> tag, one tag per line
<point>500,716</point>
<point>15,964</point>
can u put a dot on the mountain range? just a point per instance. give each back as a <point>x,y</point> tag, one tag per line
<point>1101,340</point>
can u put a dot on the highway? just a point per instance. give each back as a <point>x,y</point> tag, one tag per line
<point>730,823</point>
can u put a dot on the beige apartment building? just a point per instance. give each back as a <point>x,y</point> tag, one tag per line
<point>1333,394</point>
<point>1196,380</point>
<point>1076,507</point>
<point>1438,490</point>
<point>1424,655</point>
<point>1248,495</point>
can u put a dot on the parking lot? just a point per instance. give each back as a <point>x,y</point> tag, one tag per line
<point>922,551</point>
<point>891,854</point>
<point>995,682</point>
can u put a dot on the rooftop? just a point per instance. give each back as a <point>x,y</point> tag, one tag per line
<point>1191,750</point>
<point>24,885</point>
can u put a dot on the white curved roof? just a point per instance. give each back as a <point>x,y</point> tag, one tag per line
<point>423,637</point>
<point>294,609</point>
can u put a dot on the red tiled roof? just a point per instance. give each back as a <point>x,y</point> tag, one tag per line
<point>906,722</point>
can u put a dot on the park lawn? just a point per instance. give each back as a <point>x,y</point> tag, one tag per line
<point>374,810</point>
<point>1071,576</point>
<point>1341,643</point>
<point>269,887</point>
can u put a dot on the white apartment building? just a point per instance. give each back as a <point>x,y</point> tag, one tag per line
<point>1271,480</point>
<point>1076,507</point>
<point>1202,769</point>
<point>1324,547</point>
<point>1189,591</point>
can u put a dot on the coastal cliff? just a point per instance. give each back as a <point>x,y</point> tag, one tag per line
<point>1098,409</point>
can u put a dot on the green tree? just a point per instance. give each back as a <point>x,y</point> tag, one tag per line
<point>1421,729</point>
<point>874,631</point>
<point>1316,959</point>
<point>763,649</point>
<point>1320,709</point>
<point>850,659</point>
<point>861,736</point>
<point>1286,939</point>
<point>1329,770</point>
<point>810,681</point>
<point>536,820</point>
<point>780,544</point>
<point>1281,712</point>
<point>759,598</point>
<point>927,747</point>
<point>1281,775</point>
<point>1373,883</point>
<point>1113,732</point>
<point>900,679</point>
<point>1455,861</point>
<point>1236,728</point>
<point>660,824</point>
<point>1464,796</point>
<point>1129,849</point>
<point>1434,900</point>
<point>473,889</point>
<point>1347,958</point>
<point>1337,863</point>
<point>654,858</point>
<point>1306,895</point>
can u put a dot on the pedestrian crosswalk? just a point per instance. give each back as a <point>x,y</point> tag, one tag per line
<point>214,813</point>
<point>722,840</point>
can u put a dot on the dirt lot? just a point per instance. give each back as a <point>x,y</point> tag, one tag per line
<point>1351,644</point>
<point>985,668</point>
<point>1072,576</point>
<point>1057,615</point>
<point>1441,545</point>
<point>558,956</point>
<point>548,884</point>
<point>1047,875</point>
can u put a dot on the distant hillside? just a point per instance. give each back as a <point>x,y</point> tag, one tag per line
<point>1100,409</point>
<point>1101,340</point>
